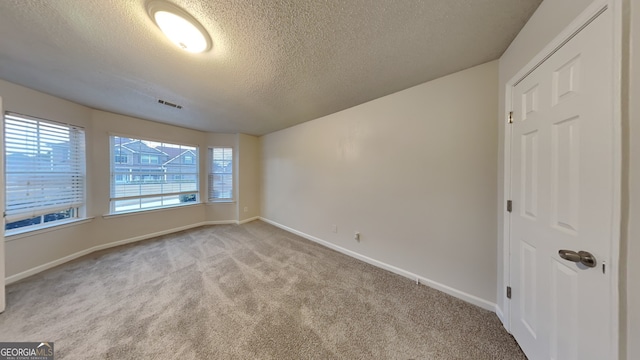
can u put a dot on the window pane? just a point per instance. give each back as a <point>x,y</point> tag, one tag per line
<point>45,171</point>
<point>121,159</point>
<point>153,169</point>
<point>60,215</point>
<point>22,223</point>
<point>221,176</point>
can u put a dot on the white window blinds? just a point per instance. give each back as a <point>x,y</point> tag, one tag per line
<point>221,174</point>
<point>45,166</point>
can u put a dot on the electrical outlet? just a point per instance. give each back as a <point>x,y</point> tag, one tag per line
<point>334,228</point>
<point>246,209</point>
<point>356,236</point>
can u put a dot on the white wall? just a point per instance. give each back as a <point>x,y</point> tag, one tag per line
<point>30,252</point>
<point>414,172</point>
<point>249,183</point>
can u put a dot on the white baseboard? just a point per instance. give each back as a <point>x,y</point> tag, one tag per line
<point>248,220</point>
<point>220,222</point>
<point>487,305</point>
<point>25,274</point>
<point>434,284</point>
<point>49,265</point>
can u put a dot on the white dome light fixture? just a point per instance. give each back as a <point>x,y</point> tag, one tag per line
<point>179,27</point>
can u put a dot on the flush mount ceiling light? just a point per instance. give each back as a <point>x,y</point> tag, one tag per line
<point>180,27</point>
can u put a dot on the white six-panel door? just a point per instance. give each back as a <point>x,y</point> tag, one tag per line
<point>562,173</point>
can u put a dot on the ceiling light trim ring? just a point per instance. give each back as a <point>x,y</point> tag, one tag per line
<point>155,6</point>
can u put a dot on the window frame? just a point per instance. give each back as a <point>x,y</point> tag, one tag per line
<point>76,210</point>
<point>150,177</point>
<point>211,174</point>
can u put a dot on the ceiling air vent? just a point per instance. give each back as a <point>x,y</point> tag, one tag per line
<point>170,104</point>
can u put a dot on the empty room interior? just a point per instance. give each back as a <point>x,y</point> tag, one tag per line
<point>297,179</point>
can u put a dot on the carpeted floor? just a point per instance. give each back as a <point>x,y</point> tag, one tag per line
<point>243,292</point>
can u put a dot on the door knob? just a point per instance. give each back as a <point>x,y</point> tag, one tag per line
<point>583,257</point>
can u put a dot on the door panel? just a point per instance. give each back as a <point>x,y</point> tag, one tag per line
<point>529,198</point>
<point>562,187</point>
<point>529,285</point>
<point>565,178</point>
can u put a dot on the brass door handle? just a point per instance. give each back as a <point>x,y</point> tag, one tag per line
<point>583,257</point>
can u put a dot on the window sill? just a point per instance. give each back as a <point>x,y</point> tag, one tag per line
<point>11,235</point>
<point>147,211</point>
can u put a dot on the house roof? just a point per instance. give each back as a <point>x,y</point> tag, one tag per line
<point>138,146</point>
<point>176,153</point>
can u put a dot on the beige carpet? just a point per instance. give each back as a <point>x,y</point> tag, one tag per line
<point>243,292</point>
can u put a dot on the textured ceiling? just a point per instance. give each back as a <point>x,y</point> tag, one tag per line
<point>274,63</point>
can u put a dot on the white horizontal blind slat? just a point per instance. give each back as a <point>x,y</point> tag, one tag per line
<point>44,167</point>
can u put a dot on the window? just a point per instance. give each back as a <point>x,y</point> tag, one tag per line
<point>221,174</point>
<point>121,159</point>
<point>188,159</point>
<point>153,177</point>
<point>120,178</point>
<point>149,159</point>
<point>44,170</point>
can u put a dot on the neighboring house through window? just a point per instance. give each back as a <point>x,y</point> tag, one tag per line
<point>221,174</point>
<point>148,174</point>
<point>149,159</point>
<point>44,172</point>
<point>121,159</point>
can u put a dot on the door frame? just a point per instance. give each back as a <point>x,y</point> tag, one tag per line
<point>615,7</point>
